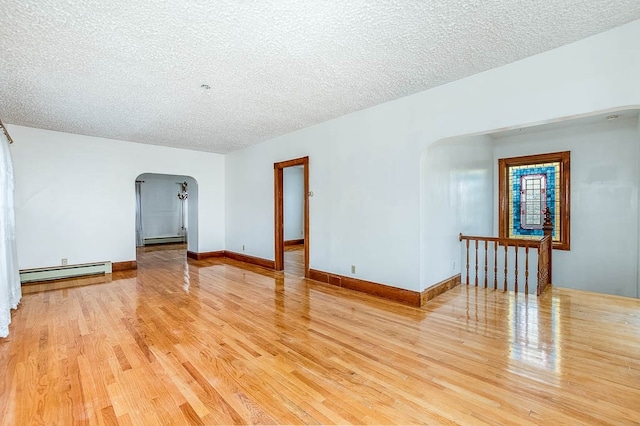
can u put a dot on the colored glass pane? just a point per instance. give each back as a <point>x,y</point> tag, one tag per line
<point>533,188</point>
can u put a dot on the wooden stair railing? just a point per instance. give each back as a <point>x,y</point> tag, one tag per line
<point>544,264</point>
<point>545,253</point>
<point>543,247</point>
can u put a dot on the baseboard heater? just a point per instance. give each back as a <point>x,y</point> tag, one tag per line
<point>163,240</point>
<point>67,271</point>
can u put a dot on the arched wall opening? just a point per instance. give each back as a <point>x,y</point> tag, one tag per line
<point>458,194</point>
<point>164,215</point>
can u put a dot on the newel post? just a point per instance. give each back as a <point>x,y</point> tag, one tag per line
<point>547,227</point>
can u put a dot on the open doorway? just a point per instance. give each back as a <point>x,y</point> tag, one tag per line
<point>166,212</point>
<point>291,182</point>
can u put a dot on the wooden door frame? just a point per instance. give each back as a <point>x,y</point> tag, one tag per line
<point>278,178</point>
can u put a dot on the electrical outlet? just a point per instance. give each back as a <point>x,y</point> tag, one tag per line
<point>64,261</point>
<point>453,265</point>
<point>353,269</point>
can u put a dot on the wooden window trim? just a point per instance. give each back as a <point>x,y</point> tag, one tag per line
<point>565,194</point>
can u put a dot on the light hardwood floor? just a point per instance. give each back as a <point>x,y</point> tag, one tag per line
<point>294,260</point>
<point>217,342</point>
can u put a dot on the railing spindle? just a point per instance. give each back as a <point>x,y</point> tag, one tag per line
<point>467,262</point>
<point>506,247</point>
<point>495,265</point>
<point>486,247</point>
<point>476,263</point>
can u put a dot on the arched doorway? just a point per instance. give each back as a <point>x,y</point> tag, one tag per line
<point>166,210</point>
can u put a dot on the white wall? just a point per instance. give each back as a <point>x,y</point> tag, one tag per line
<point>293,188</point>
<point>604,202</point>
<point>365,167</point>
<point>75,195</point>
<point>456,196</point>
<point>638,240</point>
<point>193,222</point>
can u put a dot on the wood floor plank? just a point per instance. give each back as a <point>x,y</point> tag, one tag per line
<point>216,341</point>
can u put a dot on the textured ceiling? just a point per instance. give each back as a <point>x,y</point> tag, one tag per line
<point>133,70</point>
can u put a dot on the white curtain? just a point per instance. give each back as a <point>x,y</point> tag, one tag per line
<point>10,291</point>
<point>139,231</point>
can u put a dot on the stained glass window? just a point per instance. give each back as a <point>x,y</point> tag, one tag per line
<point>528,185</point>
